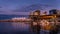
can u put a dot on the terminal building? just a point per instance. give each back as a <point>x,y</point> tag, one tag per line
<point>53,11</point>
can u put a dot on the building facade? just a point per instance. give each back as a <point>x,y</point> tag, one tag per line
<point>53,11</point>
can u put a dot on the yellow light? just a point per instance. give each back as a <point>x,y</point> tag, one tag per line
<point>55,16</point>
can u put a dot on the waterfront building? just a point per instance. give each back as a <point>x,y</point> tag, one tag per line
<point>37,12</point>
<point>52,12</point>
<point>44,13</point>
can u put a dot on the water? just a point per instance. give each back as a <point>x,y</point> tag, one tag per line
<point>15,27</point>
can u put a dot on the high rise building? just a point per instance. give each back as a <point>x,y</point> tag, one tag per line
<point>53,11</point>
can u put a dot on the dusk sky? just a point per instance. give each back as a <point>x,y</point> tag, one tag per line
<point>9,6</point>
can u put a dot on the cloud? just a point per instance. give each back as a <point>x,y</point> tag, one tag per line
<point>34,7</point>
<point>25,10</point>
<point>20,6</point>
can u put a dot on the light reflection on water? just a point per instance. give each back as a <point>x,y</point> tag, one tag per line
<point>13,26</point>
<point>20,26</point>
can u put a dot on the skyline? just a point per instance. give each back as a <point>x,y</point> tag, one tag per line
<point>10,6</point>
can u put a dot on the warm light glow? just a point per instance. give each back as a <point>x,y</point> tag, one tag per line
<point>36,13</point>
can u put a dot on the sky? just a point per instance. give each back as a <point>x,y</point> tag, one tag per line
<point>8,6</point>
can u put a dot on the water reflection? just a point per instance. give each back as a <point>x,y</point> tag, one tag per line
<point>5,27</point>
<point>9,27</point>
<point>13,26</point>
<point>20,26</point>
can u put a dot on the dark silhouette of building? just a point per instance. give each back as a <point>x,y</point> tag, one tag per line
<point>53,11</point>
<point>55,30</point>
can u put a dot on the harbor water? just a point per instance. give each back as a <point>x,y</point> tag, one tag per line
<point>17,27</point>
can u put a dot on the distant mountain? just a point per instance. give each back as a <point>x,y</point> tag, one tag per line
<point>33,7</point>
